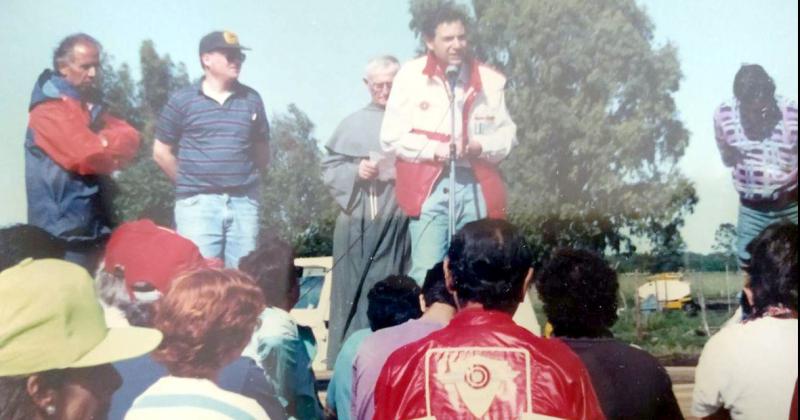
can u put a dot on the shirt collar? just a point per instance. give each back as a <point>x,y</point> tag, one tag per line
<point>237,89</point>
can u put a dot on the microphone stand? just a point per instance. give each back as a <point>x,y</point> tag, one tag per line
<point>451,226</point>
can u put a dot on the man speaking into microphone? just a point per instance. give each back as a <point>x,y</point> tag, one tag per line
<point>446,92</point>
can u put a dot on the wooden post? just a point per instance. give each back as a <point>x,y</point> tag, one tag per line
<point>727,288</point>
<point>638,315</point>
<point>703,308</point>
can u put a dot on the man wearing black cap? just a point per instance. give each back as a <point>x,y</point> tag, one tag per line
<point>211,140</point>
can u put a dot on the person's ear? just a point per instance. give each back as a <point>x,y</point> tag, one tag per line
<point>205,59</point>
<point>448,276</point>
<point>422,306</point>
<point>526,284</point>
<point>448,281</point>
<point>428,43</point>
<point>43,395</point>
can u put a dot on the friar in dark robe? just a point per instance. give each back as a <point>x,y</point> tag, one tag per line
<point>370,240</point>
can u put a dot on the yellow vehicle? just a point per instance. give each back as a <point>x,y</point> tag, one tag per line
<point>666,291</point>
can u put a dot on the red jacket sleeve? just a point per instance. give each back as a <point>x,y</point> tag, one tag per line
<point>383,392</point>
<point>61,129</point>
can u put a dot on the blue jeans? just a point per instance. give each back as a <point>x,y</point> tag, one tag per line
<point>429,240</point>
<point>752,222</point>
<point>221,225</point>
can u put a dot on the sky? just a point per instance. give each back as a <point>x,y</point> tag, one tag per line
<point>312,53</point>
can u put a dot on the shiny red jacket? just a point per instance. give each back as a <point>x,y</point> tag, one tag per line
<point>483,365</point>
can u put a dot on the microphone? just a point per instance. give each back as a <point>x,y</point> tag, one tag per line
<point>452,74</point>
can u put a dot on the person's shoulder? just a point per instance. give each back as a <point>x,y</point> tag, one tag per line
<point>249,92</point>
<point>184,95</point>
<point>729,338</point>
<point>415,63</point>
<point>356,118</point>
<point>491,77</point>
<point>725,107</point>
<point>553,351</point>
<point>786,104</point>
<point>186,92</point>
<point>411,68</point>
<point>278,324</point>
<point>247,404</point>
<point>411,351</point>
<point>641,357</point>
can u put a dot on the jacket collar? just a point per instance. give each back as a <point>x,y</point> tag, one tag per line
<point>433,69</point>
<point>51,85</point>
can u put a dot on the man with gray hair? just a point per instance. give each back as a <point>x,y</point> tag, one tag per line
<point>370,239</point>
<point>70,145</point>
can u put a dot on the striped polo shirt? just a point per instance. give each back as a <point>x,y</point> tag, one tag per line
<point>214,141</point>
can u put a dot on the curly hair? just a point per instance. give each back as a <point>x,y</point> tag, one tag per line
<point>579,292</point>
<point>205,316</point>
<point>447,12</point>
<point>759,111</point>
<point>489,260</point>
<point>393,301</point>
<point>773,267</point>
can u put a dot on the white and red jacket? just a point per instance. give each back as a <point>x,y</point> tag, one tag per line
<point>417,118</point>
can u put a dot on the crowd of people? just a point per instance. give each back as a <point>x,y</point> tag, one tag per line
<point>161,332</point>
<point>141,321</point>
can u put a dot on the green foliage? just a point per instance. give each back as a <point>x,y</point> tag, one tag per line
<point>644,262</point>
<point>142,189</point>
<point>725,243</point>
<point>295,202</point>
<point>599,136</point>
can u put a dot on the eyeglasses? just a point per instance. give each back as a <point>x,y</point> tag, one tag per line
<point>233,55</point>
<point>381,86</point>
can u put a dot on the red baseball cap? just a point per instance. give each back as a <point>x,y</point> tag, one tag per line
<point>146,252</point>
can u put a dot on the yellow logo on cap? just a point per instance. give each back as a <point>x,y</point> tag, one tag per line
<point>230,38</point>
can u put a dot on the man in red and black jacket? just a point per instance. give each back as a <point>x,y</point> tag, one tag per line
<point>70,144</point>
<point>482,364</point>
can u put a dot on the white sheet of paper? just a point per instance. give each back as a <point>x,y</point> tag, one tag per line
<point>385,163</point>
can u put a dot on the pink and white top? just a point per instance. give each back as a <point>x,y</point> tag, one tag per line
<point>763,170</point>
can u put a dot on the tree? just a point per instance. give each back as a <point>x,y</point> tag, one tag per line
<point>295,203</point>
<point>143,189</point>
<point>599,137</point>
<point>725,244</point>
<point>668,253</point>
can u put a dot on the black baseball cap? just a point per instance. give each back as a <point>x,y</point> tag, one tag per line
<point>218,40</point>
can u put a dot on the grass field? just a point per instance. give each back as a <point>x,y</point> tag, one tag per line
<point>675,337</point>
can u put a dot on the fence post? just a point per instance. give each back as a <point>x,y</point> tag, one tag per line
<point>727,288</point>
<point>703,307</point>
<point>638,315</point>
